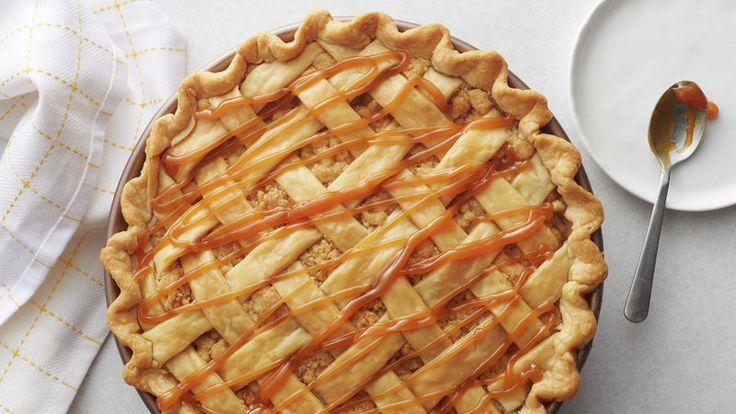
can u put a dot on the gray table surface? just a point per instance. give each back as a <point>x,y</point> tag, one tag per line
<point>682,359</point>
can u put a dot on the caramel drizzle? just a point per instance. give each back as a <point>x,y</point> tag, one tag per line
<point>414,321</point>
<point>422,319</point>
<point>381,285</point>
<point>185,209</point>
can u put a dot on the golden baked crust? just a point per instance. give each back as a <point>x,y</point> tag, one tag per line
<point>578,264</point>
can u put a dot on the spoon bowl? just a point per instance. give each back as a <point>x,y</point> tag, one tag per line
<point>678,123</point>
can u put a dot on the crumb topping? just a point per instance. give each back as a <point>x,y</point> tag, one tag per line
<point>260,301</point>
<point>459,106</point>
<point>366,107</point>
<point>369,315</point>
<point>425,166</point>
<point>468,213</point>
<point>467,105</point>
<point>376,216</point>
<point>222,251</point>
<point>269,197</point>
<point>313,365</point>
<point>417,67</point>
<point>519,146</point>
<point>329,168</point>
<point>456,317</point>
<point>479,101</point>
<point>407,367</point>
<point>320,252</point>
<point>180,296</point>
<point>210,346</point>
<point>425,250</point>
<point>560,226</point>
<point>249,395</point>
<point>235,155</point>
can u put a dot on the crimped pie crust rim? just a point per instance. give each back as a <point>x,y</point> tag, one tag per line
<point>559,156</point>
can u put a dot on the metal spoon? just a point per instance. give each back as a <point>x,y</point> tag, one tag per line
<point>675,130</point>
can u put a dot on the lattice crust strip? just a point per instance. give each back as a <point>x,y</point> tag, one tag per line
<point>172,249</point>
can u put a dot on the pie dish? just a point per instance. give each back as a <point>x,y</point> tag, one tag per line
<point>359,220</point>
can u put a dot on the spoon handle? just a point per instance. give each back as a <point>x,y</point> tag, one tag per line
<point>637,303</point>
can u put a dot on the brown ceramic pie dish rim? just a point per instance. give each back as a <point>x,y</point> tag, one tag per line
<point>116,222</point>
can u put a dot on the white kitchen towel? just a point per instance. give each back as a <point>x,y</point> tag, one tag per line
<point>79,81</point>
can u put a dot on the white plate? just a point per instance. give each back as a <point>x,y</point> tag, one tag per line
<point>627,54</point>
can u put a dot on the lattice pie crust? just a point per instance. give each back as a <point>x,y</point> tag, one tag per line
<point>359,220</point>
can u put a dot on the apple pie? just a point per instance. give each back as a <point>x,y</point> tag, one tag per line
<point>359,220</point>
